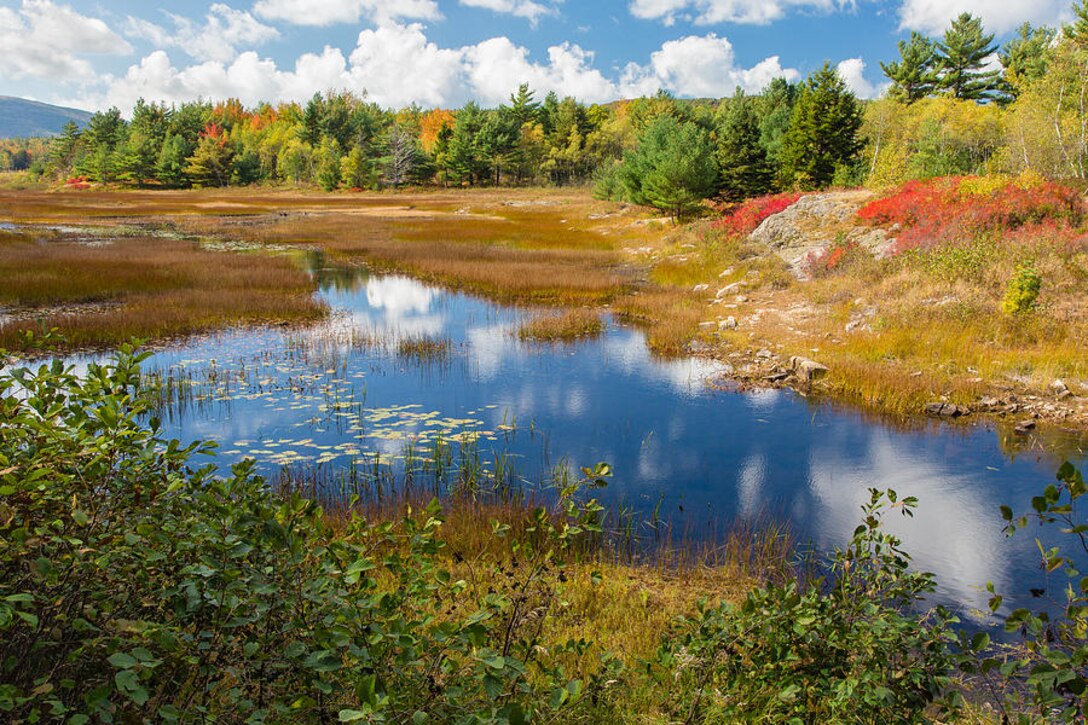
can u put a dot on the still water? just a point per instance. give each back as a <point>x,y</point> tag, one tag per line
<point>700,456</point>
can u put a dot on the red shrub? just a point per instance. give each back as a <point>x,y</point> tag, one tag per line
<point>745,218</point>
<point>940,211</point>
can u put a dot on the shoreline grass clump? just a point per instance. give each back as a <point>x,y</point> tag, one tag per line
<point>568,326</point>
<point>424,349</point>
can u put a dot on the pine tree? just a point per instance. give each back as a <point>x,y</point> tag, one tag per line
<point>823,133</point>
<point>963,55</point>
<point>105,134</point>
<point>64,150</point>
<point>745,169</point>
<point>672,168</point>
<point>170,165</point>
<point>1077,31</point>
<point>523,107</point>
<point>775,108</point>
<point>1026,56</point>
<point>914,75</point>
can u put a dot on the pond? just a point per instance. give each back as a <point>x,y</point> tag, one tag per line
<point>360,385</point>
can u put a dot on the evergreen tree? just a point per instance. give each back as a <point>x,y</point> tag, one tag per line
<point>310,130</point>
<point>672,168</point>
<point>1026,56</point>
<point>147,130</point>
<point>745,169</point>
<point>823,132</point>
<point>105,134</point>
<point>963,53</point>
<point>64,150</point>
<point>523,107</point>
<point>170,164</point>
<point>464,158</point>
<point>1077,31</point>
<point>914,76</point>
<point>775,108</point>
<point>497,140</point>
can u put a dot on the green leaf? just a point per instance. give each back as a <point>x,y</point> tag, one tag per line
<point>121,660</point>
<point>353,715</point>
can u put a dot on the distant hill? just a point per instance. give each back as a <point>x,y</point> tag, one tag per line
<point>20,118</point>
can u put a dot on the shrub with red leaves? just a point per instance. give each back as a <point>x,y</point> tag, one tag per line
<point>940,211</point>
<point>77,182</point>
<point>745,218</point>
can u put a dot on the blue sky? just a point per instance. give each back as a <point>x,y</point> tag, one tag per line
<point>93,54</point>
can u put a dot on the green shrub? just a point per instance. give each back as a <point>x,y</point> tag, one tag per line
<point>134,587</point>
<point>1053,661</point>
<point>1022,292</point>
<point>848,649</point>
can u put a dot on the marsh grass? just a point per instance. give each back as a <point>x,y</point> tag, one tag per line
<point>143,287</point>
<point>568,326</point>
<point>424,349</point>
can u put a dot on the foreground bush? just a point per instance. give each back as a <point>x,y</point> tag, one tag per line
<point>134,587</point>
<point>848,649</point>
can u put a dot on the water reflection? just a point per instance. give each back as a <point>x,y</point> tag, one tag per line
<point>324,397</point>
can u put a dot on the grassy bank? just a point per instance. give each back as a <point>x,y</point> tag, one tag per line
<point>922,324</point>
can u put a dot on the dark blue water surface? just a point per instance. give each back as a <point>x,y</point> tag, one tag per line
<point>342,391</point>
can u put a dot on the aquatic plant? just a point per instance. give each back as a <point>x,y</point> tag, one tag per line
<point>562,326</point>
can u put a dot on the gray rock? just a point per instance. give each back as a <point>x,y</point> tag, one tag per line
<point>700,288</point>
<point>729,323</point>
<point>1025,427</point>
<point>1059,387</point>
<point>815,223</point>
<point>728,289</point>
<point>946,410</point>
<point>806,370</point>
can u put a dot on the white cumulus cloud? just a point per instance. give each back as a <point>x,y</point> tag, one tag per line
<point>999,16</point>
<point>223,30</point>
<point>700,66</point>
<point>44,40</point>
<point>497,66</point>
<point>330,12</point>
<point>714,12</point>
<point>852,71</point>
<point>397,64</point>
<point>520,8</point>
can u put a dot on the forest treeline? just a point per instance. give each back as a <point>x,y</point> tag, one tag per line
<point>950,109</point>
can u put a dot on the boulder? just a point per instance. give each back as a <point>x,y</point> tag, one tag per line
<point>807,370</point>
<point>946,410</point>
<point>729,323</point>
